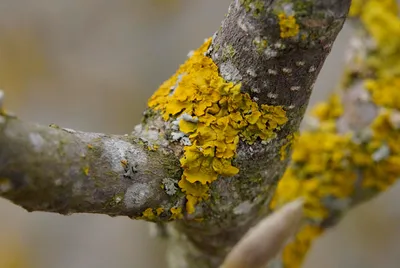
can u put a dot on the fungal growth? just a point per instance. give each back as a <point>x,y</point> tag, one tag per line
<point>214,116</point>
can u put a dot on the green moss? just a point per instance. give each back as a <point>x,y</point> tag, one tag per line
<point>256,7</point>
<point>303,7</point>
<point>261,44</point>
<point>228,53</point>
<point>61,149</point>
<point>115,200</point>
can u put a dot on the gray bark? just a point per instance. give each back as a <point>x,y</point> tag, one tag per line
<point>286,78</point>
<point>56,170</point>
<point>65,171</point>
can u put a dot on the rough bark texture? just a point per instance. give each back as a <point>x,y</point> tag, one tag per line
<point>358,156</point>
<point>65,171</point>
<point>283,73</point>
<point>275,49</point>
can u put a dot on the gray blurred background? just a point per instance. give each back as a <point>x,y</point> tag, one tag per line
<point>91,65</point>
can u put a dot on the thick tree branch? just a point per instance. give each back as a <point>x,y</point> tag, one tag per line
<point>259,46</point>
<point>349,153</point>
<point>64,171</point>
<point>232,139</point>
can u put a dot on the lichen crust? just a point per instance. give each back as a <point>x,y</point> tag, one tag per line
<point>214,115</point>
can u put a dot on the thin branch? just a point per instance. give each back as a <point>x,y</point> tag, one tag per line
<point>263,242</point>
<point>65,171</point>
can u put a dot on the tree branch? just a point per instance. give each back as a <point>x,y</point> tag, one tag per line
<point>229,115</point>
<point>64,171</point>
<point>350,151</point>
<point>259,46</point>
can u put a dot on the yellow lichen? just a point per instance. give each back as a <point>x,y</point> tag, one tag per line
<point>159,211</point>
<point>176,213</point>
<point>288,26</point>
<point>214,114</point>
<point>294,252</point>
<point>328,110</point>
<point>124,163</point>
<point>86,171</point>
<point>290,139</point>
<point>327,166</point>
<point>148,214</point>
<point>385,92</point>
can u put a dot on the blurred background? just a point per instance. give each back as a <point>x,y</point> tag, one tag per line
<point>91,65</point>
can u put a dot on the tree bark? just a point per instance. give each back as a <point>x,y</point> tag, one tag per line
<point>273,51</point>
<point>66,171</point>
<point>356,132</point>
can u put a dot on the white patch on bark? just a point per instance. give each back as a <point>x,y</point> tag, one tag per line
<point>178,80</point>
<point>170,186</point>
<point>243,208</point>
<point>286,70</point>
<point>288,9</point>
<point>116,150</point>
<point>37,141</point>
<point>137,195</point>
<point>229,72</point>
<point>279,45</point>
<point>189,118</point>
<point>270,53</point>
<point>272,95</point>
<point>69,130</point>
<point>251,72</point>
<point>244,24</point>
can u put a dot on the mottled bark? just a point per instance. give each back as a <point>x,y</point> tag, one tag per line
<point>283,73</point>
<point>364,113</point>
<point>57,170</point>
<point>65,171</point>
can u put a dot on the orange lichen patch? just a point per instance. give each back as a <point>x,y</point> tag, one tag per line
<point>288,26</point>
<point>214,115</point>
